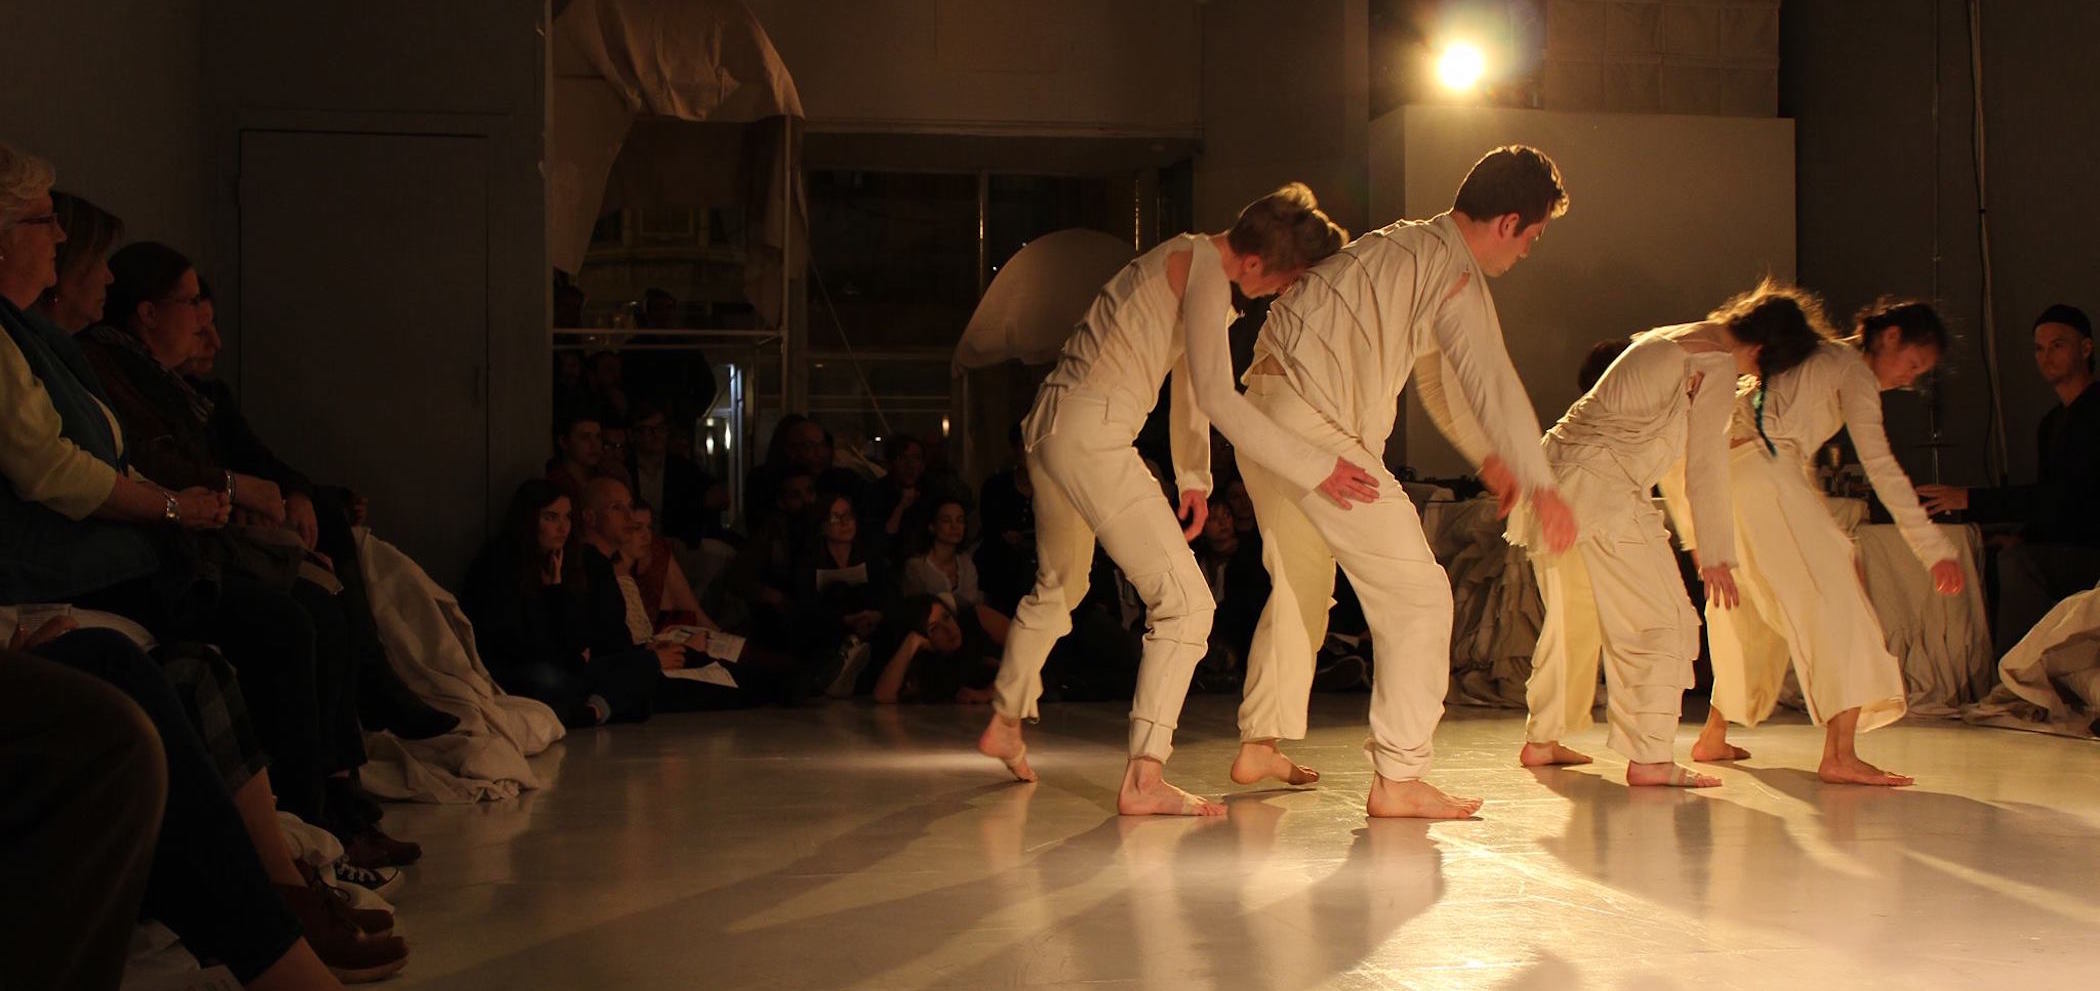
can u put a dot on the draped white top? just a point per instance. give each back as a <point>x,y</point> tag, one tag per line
<point>1406,301</point>
<point>1805,407</point>
<point>1136,332</point>
<point>1659,408</point>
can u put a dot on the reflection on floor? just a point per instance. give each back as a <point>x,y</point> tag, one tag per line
<point>850,846</point>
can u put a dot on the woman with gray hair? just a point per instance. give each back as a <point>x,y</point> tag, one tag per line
<point>72,527</point>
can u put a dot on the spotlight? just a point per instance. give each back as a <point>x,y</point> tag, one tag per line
<point>1460,67</point>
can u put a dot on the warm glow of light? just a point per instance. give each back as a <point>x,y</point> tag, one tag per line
<point>1460,67</point>
<point>944,426</point>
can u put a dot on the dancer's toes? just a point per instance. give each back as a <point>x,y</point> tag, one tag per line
<point>1002,740</point>
<point>1717,752</point>
<point>1158,798</point>
<point>1853,771</point>
<point>1668,776</point>
<point>1260,760</point>
<point>1548,755</point>
<point>1415,799</point>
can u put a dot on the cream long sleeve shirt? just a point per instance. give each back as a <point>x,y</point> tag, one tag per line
<point>1804,409</point>
<point>1407,301</point>
<point>40,464</point>
<point>1137,332</point>
<point>1660,409</point>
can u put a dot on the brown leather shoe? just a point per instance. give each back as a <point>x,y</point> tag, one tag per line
<point>373,849</point>
<point>319,903</point>
<point>356,959</point>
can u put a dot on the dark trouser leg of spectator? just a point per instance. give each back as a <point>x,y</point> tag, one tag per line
<point>547,684</point>
<point>82,783</point>
<point>383,702</point>
<point>627,681</point>
<point>335,678</point>
<point>269,640</point>
<point>207,883</point>
<point>2033,578</point>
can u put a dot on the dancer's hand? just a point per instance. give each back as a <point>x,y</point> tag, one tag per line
<point>1195,509</point>
<point>1947,577</point>
<point>1347,482</point>
<point>1495,474</point>
<point>1720,586</point>
<point>1943,498</point>
<point>1556,520</point>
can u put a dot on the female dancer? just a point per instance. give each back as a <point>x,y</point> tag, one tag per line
<point>1801,590</point>
<point>1618,593</point>
<point>1169,309</point>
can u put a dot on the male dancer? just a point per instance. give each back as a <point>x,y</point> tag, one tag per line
<point>1408,300</point>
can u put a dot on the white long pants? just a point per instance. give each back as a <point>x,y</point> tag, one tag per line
<point>1090,484</point>
<point>1802,598</point>
<point>1405,593</point>
<point>1616,595</point>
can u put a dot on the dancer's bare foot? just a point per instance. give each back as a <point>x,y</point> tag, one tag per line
<point>1260,759</point>
<point>1712,745</point>
<point>1668,776</point>
<point>1415,799</point>
<point>1549,754</point>
<point>1002,739</point>
<point>1145,792</point>
<point>1713,752</point>
<point>1850,770</point>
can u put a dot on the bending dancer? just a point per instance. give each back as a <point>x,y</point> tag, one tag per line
<point>1802,595</point>
<point>1411,299</point>
<point>1170,308</point>
<point>1664,403</point>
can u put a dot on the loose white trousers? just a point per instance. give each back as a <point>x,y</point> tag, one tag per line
<point>1091,485</point>
<point>1405,593</point>
<point>1617,596</point>
<point>1802,598</point>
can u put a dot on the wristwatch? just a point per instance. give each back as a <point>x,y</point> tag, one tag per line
<point>170,509</point>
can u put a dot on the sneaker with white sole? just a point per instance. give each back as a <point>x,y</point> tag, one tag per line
<point>380,880</point>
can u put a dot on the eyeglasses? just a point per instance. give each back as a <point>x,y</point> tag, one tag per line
<point>40,220</point>
<point>195,299</point>
<point>839,518</point>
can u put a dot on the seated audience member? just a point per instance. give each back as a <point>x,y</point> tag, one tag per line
<point>613,450</point>
<point>841,585</point>
<point>78,524</point>
<point>943,655</point>
<point>568,378</point>
<point>151,328</point>
<point>1243,522</point>
<point>539,622</point>
<point>666,594</point>
<point>579,450</point>
<point>2058,549</point>
<point>1238,581</point>
<point>322,521</point>
<point>1006,556</point>
<point>86,786</point>
<point>623,620</point>
<point>606,385</point>
<point>676,486</point>
<point>800,443</point>
<point>940,567</point>
<point>222,877</point>
<point>904,497</point>
<point>760,582</point>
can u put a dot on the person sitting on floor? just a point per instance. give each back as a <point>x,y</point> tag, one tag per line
<point>2058,548</point>
<point>943,655</point>
<point>536,621</point>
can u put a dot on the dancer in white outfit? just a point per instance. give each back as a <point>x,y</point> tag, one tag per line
<point>1664,402</point>
<point>1408,300</point>
<point>1802,595</point>
<point>1169,309</point>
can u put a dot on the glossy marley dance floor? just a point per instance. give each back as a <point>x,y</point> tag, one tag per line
<point>851,846</point>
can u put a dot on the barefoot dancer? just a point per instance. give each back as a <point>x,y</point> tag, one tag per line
<point>1090,483</point>
<point>1410,299</point>
<point>1801,590</point>
<point>1665,401</point>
